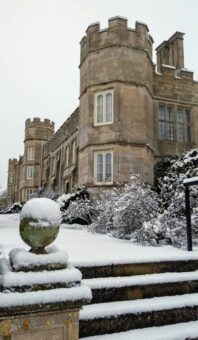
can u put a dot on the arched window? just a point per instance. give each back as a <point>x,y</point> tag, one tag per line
<point>103,108</point>
<point>103,167</point>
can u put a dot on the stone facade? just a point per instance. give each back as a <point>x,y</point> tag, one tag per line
<point>131,113</point>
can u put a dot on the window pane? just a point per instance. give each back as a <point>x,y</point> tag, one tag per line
<point>188,134</point>
<point>108,172</point>
<point>180,116</point>
<point>187,116</point>
<point>161,130</point>
<point>169,131</point>
<point>99,109</point>
<point>67,155</point>
<point>108,107</point>
<point>99,168</point>
<point>180,133</point>
<point>30,154</point>
<point>161,112</point>
<point>74,152</point>
<point>169,114</point>
<point>28,193</point>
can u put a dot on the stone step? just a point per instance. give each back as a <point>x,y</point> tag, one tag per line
<point>186,330</point>
<point>142,286</point>
<point>113,317</point>
<point>140,268</point>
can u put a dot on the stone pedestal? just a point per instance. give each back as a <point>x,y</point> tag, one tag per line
<point>39,300</point>
<point>41,326</point>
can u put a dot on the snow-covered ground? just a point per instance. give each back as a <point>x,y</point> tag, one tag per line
<point>85,248</point>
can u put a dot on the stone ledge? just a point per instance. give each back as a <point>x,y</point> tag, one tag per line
<point>125,322</point>
<point>37,287</point>
<point>39,309</point>
<point>129,269</point>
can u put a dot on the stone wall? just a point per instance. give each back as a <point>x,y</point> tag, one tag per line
<point>60,156</point>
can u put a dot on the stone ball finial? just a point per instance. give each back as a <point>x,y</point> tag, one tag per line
<point>39,223</point>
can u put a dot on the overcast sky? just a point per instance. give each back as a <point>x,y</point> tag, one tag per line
<point>39,55</point>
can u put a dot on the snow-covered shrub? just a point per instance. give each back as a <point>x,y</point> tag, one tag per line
<point>105,200</point>
<point>170,226</point>
<point>137,204</point>
<point>123,210</point>
<point>44,192</point>
<point>134,211</point>
<point>79,192</point>
<point>176,169</point>
<point>76,207</point>
<point>15,208</point>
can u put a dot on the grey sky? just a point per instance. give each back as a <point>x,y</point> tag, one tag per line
<point>39,55</point>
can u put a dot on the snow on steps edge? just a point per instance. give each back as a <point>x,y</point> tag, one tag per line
<point>112,309</point>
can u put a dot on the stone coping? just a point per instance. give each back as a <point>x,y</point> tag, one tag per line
<point>39,309</point>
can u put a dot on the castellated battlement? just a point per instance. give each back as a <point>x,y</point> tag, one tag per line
<point>38,129</point>
<point>13,160</point>
<point>117,33</point>
<point>37,122</point>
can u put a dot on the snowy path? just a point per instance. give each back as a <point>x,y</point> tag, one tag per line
<point>85,248</point>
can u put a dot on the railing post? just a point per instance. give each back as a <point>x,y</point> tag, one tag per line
<point>188,219</point>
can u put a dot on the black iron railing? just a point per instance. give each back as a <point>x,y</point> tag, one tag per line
<point>187,183</point>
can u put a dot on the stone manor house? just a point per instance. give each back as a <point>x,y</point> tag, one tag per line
<point>131,114</point>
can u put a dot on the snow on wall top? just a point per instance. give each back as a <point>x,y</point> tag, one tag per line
<point>43,210</point>
<point>11,279</point>
<point>45,297</point>
<point>21,257</point>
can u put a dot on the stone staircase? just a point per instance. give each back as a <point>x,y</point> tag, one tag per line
<point>139,295</point>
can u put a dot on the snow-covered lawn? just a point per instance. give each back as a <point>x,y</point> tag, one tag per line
<point>85,248</point>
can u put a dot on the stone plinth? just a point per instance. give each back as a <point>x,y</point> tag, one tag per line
<point>40,300</point>
<point>57,325</point>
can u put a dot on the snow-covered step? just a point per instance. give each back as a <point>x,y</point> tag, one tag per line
<point>138,268</point>
<point>180,331</point>
<point>123,281</point>
<point>142,286</point>
<point>121,316</point>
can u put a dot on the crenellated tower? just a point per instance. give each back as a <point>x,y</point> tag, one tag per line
<point>37,133</point>
<point>24,175</point>
<point>116,104</point>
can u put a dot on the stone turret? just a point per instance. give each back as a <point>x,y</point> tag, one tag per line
<point>37,132</point>
<point>120,43</point>
<point>38,129</point>
<point>117,60</point>
<point>24,175</point>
